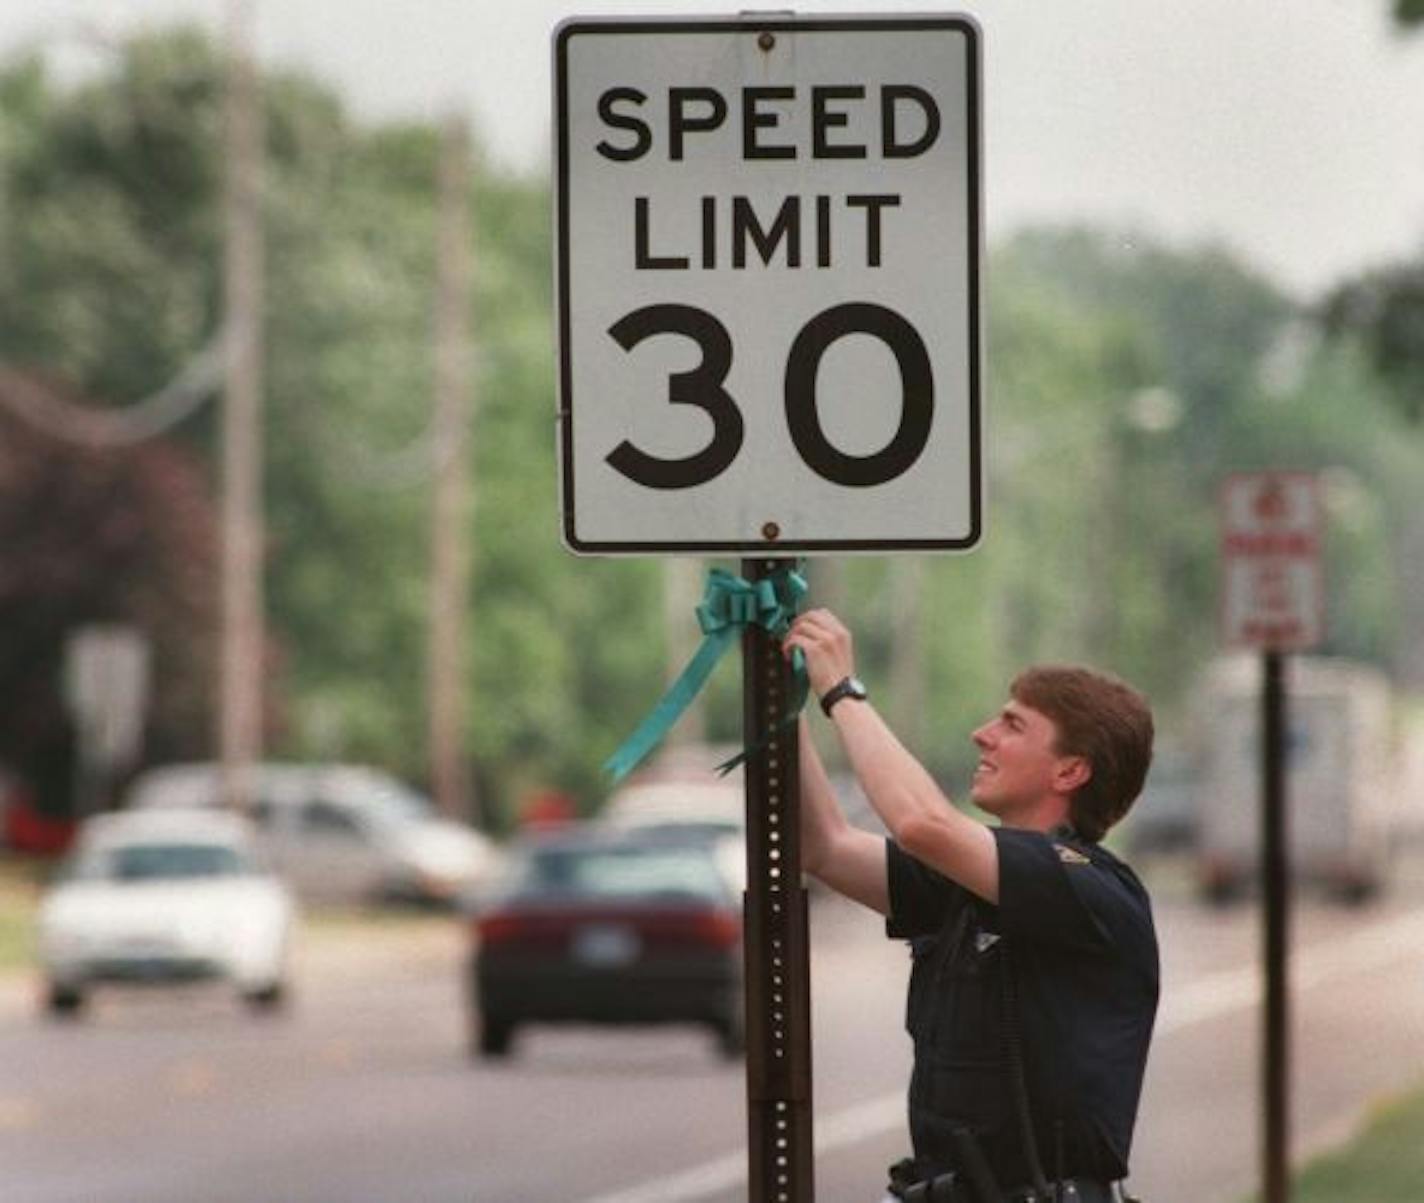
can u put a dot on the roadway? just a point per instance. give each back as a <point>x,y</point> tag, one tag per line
<point>364,1090</point>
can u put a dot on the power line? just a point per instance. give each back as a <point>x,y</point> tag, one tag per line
<point>45,409</point>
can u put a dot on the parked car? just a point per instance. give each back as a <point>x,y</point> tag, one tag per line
<point>340,833</point>
<point>596,925</point>
<point>162,896</point>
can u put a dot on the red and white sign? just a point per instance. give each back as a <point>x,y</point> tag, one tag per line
<point>1273,594</point>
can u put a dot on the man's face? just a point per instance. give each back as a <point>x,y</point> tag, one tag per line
<point>1018,766</point>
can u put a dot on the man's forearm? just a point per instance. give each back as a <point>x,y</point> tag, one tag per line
<point>903,794</point>
<point>912,806</point>
<point>897,785</point>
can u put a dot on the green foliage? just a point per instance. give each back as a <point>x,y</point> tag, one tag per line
<point>19,892</point>
<point>1409,12</point>
<point>111,279</point>
<point>1255,389</point>
<point>1124,379</point>
<point>98,537</point>
<point>1384,311</point>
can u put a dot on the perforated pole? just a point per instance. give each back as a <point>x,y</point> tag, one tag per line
<point>778,967</point>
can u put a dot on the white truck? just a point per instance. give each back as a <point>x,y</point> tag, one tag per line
<point>1342,791</point>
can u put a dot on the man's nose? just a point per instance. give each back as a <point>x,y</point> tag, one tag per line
<point>981,737</point>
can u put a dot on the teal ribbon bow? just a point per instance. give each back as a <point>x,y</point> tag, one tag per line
<point>729,604</point>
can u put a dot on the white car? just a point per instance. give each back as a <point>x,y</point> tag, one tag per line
<point>338,832</point>
<point>165,896</point>
<point>709,809</point>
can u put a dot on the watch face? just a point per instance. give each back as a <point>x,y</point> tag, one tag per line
<point>855,688</point>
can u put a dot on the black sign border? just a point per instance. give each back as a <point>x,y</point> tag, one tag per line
<point>578,26</point>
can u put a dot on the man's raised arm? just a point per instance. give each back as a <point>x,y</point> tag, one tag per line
<point>915,811</point>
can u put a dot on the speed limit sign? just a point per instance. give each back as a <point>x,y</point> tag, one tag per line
<point>768,249</point>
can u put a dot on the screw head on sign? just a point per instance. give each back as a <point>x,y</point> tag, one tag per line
<point>770,531</point>
<point>766,39</point>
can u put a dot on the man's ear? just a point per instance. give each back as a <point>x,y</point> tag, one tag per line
<point>1072,773</point>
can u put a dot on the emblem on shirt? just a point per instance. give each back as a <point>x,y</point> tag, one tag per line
<point>985,940</point>
<point>1071,856</point>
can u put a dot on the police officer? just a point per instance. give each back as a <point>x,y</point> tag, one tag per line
<point>1034,981</point>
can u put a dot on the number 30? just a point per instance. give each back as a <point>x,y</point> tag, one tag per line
<point>703,388</point>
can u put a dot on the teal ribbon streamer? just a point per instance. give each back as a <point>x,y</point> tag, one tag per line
<point>729,604</point>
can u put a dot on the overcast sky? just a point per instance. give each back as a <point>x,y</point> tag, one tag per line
<point>1291,129</point>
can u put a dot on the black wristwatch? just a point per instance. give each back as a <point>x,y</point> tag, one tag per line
<point>846,687</point>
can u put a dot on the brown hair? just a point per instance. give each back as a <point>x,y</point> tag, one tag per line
<point>1105,721</point>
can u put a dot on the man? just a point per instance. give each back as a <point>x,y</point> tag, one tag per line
<point>1035,977</point>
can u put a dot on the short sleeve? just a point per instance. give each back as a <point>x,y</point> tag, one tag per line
<point>1056,892</point>
<point>920,899</point>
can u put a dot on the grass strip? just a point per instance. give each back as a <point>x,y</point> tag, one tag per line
<point>1384,1163</point>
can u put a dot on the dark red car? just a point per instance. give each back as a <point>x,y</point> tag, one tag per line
<point>595,925</point>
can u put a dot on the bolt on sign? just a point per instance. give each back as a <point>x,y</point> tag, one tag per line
<point>768,274</point>
<point>1273,595</point>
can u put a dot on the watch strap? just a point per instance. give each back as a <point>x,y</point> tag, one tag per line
<point>846,687</point>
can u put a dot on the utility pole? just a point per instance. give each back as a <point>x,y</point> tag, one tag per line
<point>449,583</point>
<point>240,735</point>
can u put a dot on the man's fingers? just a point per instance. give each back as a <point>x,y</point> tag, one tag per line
<point>818,624</point>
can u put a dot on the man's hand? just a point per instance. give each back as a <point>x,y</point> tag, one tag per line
<point>908,800</point>
<point>826,644</point>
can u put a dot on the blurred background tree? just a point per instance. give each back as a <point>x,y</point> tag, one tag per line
<point>1125,378</point>
<point>99,537</point>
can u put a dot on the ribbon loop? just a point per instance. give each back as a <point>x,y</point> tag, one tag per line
<point>728,604</point>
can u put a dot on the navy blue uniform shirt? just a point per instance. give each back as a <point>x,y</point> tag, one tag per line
<point>1077,925</point>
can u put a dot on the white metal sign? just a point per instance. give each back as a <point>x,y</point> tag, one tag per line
<point>107,687</point>
<point>768,278</point>
<point>1273,594</point>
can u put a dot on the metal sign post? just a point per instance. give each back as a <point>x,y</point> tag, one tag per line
<point>777,955</point>
<point>1274,871</point>
<point>1272,600</point>
<point>768,239</point>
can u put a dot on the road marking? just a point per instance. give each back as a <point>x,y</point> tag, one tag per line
<point>848,1126</point>
<point>1229,990</point>
<point>1207,998</point>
